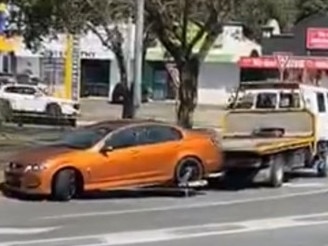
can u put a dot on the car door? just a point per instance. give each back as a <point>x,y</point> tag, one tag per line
<point>119,165</point>
<point>13,95</point>
<point>30,99</point>
<point>322,116</point>
<point>158,151</point>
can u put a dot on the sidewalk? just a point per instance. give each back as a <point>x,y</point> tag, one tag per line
<point>97,110</point>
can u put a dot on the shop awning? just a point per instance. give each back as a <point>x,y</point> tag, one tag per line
<point>296,62</point>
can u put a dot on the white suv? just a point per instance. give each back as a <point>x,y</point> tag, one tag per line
<point>33,100</point>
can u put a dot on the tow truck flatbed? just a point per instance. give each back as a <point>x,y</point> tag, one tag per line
<point>264,145</point>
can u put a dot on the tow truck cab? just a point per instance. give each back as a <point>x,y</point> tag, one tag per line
<point>273,128</point>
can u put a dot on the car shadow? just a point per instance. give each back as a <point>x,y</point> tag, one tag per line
<point>213,185</point>
<point>18,196</point>
<point>303,173</point>
<point>105,195</point>
<point>141,193</point>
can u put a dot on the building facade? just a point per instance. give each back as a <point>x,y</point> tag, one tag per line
<point>219,73</point>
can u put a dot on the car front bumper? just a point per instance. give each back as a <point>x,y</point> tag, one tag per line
<point>26,183</point>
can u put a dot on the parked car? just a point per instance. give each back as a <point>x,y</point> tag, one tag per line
<point>31,100</point>
<point>111,155</point>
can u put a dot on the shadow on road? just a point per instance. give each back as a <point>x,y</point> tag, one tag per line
<point>141,193</point>
<point>18,196</point>
<point>102,195</point>
<point>213,185</point>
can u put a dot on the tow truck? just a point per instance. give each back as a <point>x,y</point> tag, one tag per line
<point>274,128</point>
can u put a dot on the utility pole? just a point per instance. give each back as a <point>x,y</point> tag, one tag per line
<point>138,48</point>
<point>128,51</point>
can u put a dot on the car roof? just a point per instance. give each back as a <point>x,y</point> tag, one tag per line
<point>121,123</point>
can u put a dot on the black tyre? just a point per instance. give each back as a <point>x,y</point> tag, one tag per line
<point>188,170</point>
<point>322,167</point>
<point>276,171</point>
<point>53,110</point>
<point>237,179</point>
<point>64,186</point>
<point>72,122</point>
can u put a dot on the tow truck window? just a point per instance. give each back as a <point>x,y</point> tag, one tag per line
<point>289,100</point>
<point>321,103</point>
<point>266,101</point>
<point>245,101</point>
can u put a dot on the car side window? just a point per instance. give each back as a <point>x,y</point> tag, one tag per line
<point>123,139</point>
<point>159,134</point>
<point>12,89</point>
<point>27,91</point>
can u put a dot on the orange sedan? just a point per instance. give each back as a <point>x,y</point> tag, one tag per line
<point>113,155</point>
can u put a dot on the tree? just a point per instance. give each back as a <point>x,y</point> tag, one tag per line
<point>188,29</point>
<point>306,8</point>
<point>39,18</point>
<point>256,13</point>
<point>173,20</point>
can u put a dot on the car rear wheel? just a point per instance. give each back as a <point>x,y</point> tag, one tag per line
<point>53,110</point>
<point>64,186</point>
<point>188,170</point>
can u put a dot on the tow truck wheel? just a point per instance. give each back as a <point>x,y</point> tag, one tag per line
<point>276,174</point>
<point>322,167</point>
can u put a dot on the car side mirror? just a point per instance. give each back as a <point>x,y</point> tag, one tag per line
<point>106,149</point>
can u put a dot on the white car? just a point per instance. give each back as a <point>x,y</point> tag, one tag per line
<point>33,100</point>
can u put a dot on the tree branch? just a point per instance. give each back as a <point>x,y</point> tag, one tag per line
<point>163,31</point>
<point>185,25</point>
<point>220,12</point>
<point>203,29</point>
<point>104,41</point>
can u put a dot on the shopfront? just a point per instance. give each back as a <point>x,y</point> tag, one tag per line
<point>305,69</point>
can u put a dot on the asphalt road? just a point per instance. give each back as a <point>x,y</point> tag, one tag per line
<point>296,214</point>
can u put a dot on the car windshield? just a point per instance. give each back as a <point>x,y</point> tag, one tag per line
<point>82,138</point>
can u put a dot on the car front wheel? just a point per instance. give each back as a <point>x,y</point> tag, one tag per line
<point>64,186</point>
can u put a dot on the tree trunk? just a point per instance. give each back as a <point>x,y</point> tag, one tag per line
<point>187,91</point>
<point>128,109</point>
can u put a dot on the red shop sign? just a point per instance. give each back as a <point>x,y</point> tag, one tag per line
<point>270,62</point>
<point>317,38</point>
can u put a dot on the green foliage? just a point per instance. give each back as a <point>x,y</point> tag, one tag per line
<point>173,19</point>
<point>256,13</point>
<point>305,8</point>
<point>36,19</point>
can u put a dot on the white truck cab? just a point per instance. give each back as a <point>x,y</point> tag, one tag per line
<point>273,128</point>
<point>287,96</point>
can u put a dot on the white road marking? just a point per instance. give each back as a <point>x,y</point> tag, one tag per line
<point>184,207</point>
<point>27,231</point>
<point>305,185</point>
<point>185,232</point>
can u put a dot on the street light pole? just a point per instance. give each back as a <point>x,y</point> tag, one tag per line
<point>138,48</point>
